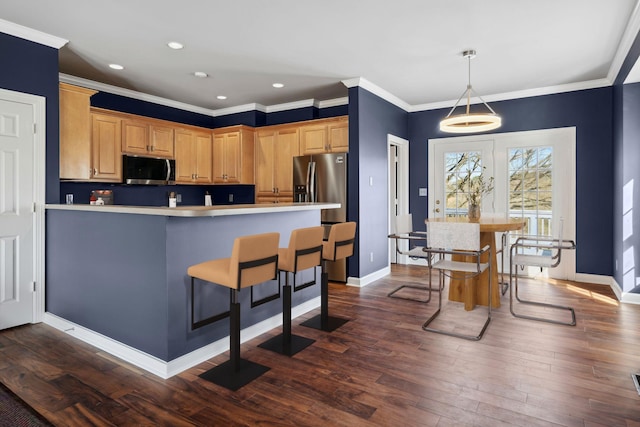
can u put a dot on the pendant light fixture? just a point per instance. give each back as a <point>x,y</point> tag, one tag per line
<point>469,122</point>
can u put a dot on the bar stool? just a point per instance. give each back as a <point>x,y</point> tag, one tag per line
<point>338,246</point>
<point>304,252</point>
<point>254,260</point>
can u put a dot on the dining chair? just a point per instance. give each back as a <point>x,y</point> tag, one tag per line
<point>456,247</point>
<point>417,241</point>
<point>549,256</point>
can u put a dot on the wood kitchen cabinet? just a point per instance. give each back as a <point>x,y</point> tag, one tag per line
<point>324,136</point>
<point>193,153</point>
<point>276,146</point>
<point>147,137</point>
<point>106,153</point>
<point>233,155</point>
<point>75,132</point>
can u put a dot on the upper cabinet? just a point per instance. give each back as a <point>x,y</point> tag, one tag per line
<point>147,137</point>
<point>75,132</point>
<point>233,155</point>
<point>325,136</point>
<point>276,146</point>
<point>193,152</point>
<point>106,156</point>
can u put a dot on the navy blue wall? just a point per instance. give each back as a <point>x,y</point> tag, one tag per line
<point>33,68</point>
<point>590,111</point>
<point>371,119</point>
<point>150,109</point>
<point>628,153</point>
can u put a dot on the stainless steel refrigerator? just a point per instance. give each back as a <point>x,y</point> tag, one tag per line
<point>323,178</point>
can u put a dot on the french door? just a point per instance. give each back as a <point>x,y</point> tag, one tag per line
<point>534,178</point>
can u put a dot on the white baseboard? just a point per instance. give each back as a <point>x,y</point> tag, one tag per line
<point>369,278</point>
<point>168,369</point>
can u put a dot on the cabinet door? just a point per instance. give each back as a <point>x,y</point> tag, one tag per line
<point>218,158</point>
<point>339,136</point>
<point>232,157</point>
<point>264,158</point>
<point>135,137</point>
<point>313,139</point>
<point>161,142</point>
<point>75,132</point>
<point>184,152</point>
<point>202,157</point>
<point>287,147</point>
<point>106,148</point>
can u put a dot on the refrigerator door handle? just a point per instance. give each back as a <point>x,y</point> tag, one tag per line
<point>311,181</point>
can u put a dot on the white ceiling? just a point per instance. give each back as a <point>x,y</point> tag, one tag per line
<point>409,48</point>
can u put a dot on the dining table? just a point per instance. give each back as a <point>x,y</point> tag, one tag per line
<point>473,291</point>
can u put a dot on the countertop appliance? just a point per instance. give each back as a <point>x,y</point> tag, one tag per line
<point>323,178</point>
<point>148,170</point>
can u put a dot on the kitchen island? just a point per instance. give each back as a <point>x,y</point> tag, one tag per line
<point>116,277</point>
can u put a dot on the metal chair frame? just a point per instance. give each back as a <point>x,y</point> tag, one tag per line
<point>449,266</point>
<point>538,242</point>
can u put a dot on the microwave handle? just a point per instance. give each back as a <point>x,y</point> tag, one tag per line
<point>168,169</point>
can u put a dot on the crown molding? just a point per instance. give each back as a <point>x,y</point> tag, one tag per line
<point>103,87</point>
<point>628,37</point>
<point>377,90</point>
<point>334,102</point>
<point>31,34</point>
<point>527,93</point>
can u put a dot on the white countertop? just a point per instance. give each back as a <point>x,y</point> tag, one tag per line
<point>198,211</point>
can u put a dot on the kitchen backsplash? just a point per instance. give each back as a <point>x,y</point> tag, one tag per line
<point>157,195</point>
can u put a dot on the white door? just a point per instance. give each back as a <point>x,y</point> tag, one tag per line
<point>18,229</point>
<point>398,187</point>
<point>534,176</point>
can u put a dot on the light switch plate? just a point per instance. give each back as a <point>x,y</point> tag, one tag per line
<point>422,192</point>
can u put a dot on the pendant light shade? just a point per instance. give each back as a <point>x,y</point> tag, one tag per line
<point>469,122</point>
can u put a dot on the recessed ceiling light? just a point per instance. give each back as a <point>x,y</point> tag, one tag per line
<point>175,45</point>
<point>277,85</point>
<point>116,66</point>
<point>201,74</point>
<point>221,97</point>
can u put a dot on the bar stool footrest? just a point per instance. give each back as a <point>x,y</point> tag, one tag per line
<point>278,345</point>
<point>225,376</point>
<point>331,324</point>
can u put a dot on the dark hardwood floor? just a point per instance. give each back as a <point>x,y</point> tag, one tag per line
<point>380,368</point>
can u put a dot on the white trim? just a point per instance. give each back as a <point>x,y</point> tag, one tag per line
<point>159,367</point>
<point>402,184</point>
<point>31,34</point>
<point>333,102</point>
<point>39,104</point>
<point>360,282</point>
<point>630,298</point>
<point>103,87</point>
<point>526,93</point>
<point>628,37</point>
<point>292,105</point>
<point>378,91</point>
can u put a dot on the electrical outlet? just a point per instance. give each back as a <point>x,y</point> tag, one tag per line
<point>371,257</point>
<point>179,198</point>
<point>231,197</point>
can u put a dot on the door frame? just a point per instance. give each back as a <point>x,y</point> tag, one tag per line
<point>403,188</point>
<point>564,133</point>
<point>38,103</point>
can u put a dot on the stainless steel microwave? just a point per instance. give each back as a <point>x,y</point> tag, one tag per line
<point>148,170</point>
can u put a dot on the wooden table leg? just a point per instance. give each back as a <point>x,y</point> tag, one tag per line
<point>462,290</point>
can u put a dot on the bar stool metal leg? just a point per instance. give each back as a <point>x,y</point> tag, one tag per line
<point>323,321</point>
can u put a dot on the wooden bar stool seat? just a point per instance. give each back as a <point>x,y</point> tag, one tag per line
<point>339,245</point>
<point>254,260</point>
<point>304,252</point>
